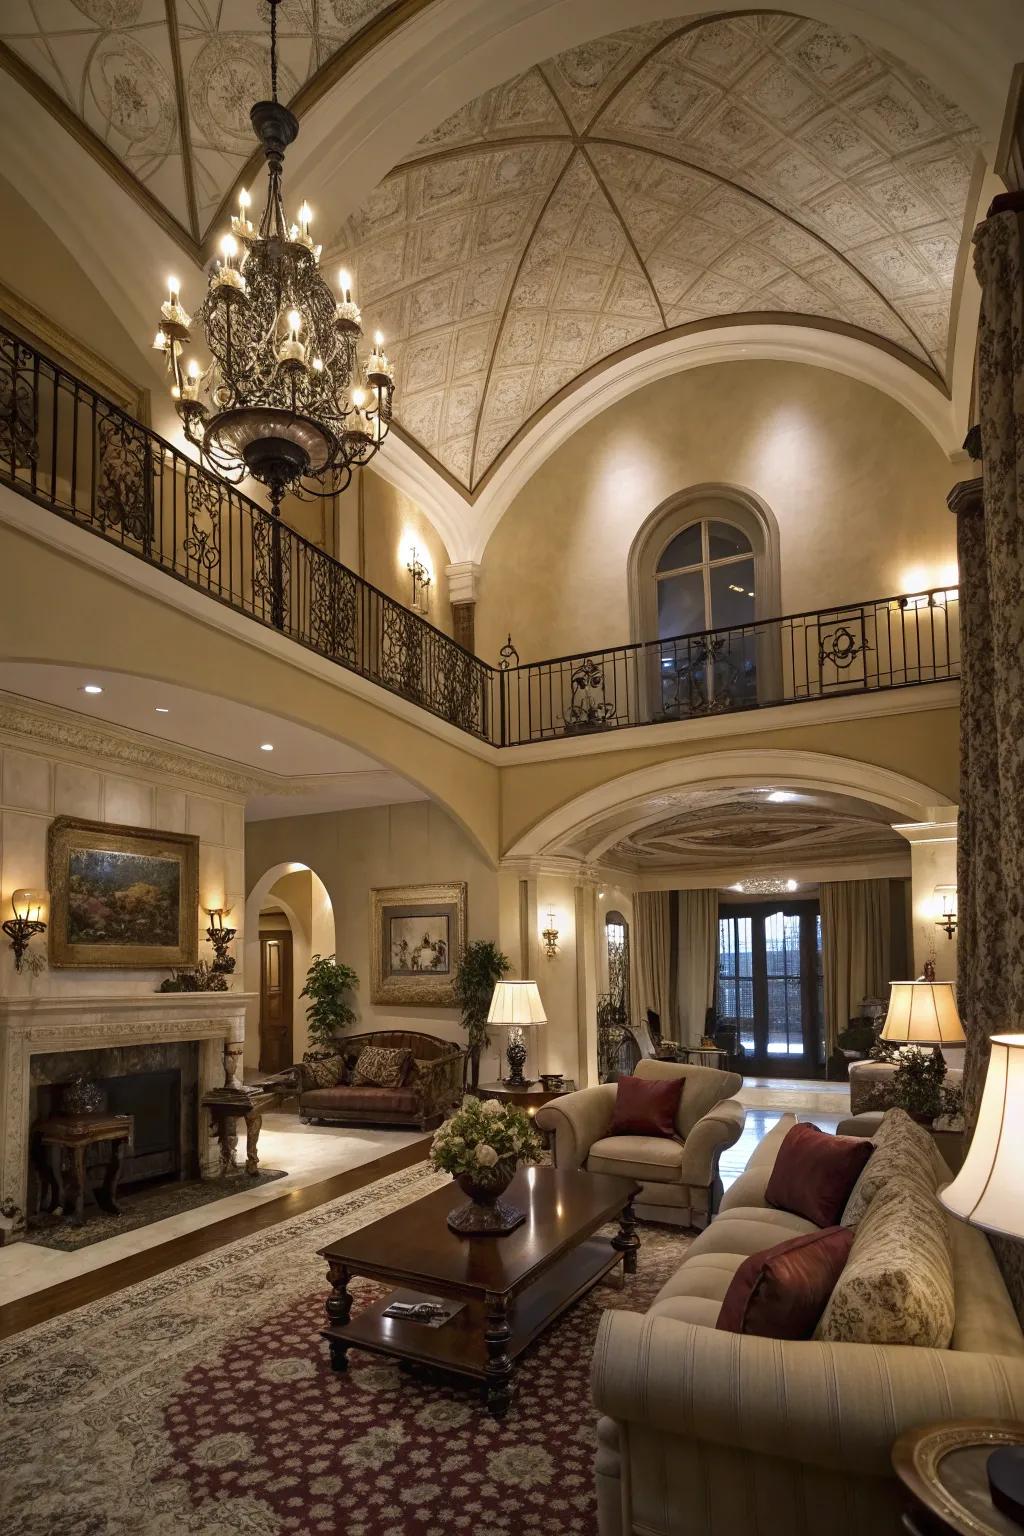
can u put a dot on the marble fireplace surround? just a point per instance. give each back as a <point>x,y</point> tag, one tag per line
<point>31,1026</point>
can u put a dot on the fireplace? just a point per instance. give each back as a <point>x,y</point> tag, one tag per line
<point>158,1085</point>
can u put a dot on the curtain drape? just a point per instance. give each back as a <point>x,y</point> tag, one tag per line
<point>856,948</point>
<point>698,961</point>
<point>652,946</point>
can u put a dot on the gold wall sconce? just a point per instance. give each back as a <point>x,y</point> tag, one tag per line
<point>947,919</point>
<point>220,937</point>
<point>550,937</point>
<point>30,914</point>
<point>420,581</point>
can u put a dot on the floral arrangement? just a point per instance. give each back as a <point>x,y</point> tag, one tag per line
<point>483,1135</point>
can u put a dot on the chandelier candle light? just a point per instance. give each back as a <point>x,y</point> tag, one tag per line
<point>281,399</point>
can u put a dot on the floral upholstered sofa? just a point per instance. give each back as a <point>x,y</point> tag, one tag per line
<point>712,1433</point>
<point>428,1083</point>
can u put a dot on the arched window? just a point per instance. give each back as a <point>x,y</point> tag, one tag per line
<point>703,577</point>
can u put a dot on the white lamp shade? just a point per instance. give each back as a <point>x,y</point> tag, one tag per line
<point>922,1013</point>
<point>516,1003</point>
<point>987,1190</point>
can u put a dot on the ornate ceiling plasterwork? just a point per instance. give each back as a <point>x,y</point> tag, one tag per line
<point>760,166</point>
<point>166,85</point>
<point>751,833</point>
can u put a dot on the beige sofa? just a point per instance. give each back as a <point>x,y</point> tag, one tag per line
<point>715,1434</point>
<point>679,1177</point>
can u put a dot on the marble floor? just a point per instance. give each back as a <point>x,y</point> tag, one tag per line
<point>767,1099</point>
<point>310,1153</point>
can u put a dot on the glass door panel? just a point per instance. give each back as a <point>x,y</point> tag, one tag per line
<point>769,983</point>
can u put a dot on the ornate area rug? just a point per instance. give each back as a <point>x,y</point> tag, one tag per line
<point>202,1401</point>
<point>139,1210</point>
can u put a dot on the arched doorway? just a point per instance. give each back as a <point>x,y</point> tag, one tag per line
<point>289,919</point>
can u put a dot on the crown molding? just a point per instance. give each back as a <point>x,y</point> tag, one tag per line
<point>24,722</point>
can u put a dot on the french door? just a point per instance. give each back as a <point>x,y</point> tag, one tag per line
<point>770,984</point>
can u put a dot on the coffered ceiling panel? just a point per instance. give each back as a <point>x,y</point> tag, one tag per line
<point>671,175</point>
<point>132,70</point>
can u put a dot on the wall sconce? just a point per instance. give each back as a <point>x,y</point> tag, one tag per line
<point>420,581</point>
<point>550,937</point>
<point>30,911</point>
<point>220,937</point>
<point>947,920</point>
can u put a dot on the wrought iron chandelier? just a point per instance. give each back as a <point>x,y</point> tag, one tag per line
<point>277,400</point>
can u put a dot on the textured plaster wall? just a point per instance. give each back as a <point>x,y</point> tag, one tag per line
<point>857,485</point>
<point>354,852</point>
<point>392,525</point>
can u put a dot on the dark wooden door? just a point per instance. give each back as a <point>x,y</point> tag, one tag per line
<point>275,1000</point>
<point>770,983</point>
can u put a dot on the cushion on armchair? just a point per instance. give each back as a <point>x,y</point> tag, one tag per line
<point>815,1172</point>
<point>378,1067</point>
<point>646,1108</point>
<point>782,1292</point>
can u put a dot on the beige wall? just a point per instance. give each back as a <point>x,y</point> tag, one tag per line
<point>856,483</point>
<point>41,780</point>
<point>391,525</point>
<point>354,852</point>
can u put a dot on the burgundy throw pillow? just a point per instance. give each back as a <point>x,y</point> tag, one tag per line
<point>646,1106</point>
<point>782,1292</point>
<point>815,1172</point>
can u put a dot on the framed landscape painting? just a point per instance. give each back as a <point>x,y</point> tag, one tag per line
<point>417,936</point>
<point>122,897</point>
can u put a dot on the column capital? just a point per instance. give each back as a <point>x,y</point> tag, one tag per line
<point>463,580</point>
<point>967,496</point>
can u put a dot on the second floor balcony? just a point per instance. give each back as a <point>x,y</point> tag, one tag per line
<point>76,454</point>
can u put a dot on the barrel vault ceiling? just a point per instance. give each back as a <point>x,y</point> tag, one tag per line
<point>166,85</point>
<point>668,176</point>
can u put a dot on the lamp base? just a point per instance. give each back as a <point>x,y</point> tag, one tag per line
<point>1005,1469</point>
<point>515,1055</point>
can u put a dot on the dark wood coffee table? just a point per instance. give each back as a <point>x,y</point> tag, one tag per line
<point>512,1285</point>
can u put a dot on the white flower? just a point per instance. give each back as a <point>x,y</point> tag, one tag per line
<point>456,1143</point>
<point>486,1156</point>
<point>491,1107</point>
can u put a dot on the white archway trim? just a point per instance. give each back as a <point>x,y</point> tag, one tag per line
<point>742,768</point>
<point>801,343</point>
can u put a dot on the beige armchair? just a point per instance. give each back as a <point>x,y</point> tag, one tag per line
<point>680,1178</point>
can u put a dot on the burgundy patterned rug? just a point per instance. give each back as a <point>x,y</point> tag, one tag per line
<point>203,1402</point>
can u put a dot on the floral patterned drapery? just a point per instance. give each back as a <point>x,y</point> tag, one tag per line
<point>991,553</point>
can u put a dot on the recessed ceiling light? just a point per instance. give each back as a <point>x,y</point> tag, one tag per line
<point>266,746</point>
<point>162,709</point>
<point>90,688</point>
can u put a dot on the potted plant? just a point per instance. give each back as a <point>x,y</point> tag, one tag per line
<point>328,983</point>
<point>481,1146</point>
<point>482,966</point>
<point>919,1087</point>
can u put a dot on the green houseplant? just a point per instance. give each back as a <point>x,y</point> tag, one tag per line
<point>481,967</point>
<point>328,983</point>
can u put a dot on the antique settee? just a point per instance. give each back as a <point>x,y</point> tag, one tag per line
<point>431,1083</point>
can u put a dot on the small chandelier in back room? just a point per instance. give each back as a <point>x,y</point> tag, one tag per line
<point>277,401</point>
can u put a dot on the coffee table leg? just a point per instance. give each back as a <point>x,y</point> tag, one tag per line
<point>626,1240</point>
<point>499,1362</point>
<point>338,1307</point>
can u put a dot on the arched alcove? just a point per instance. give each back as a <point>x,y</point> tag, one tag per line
<point>296,892</point>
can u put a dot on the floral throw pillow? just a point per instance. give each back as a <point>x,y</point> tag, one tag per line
<point>904,1155</point>
<point>378,1067</point>
<point>324,1071</point>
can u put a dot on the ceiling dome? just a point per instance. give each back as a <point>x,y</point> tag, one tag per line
<point>761,167</point>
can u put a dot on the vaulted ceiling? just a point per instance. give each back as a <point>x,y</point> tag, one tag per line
<point>660,178</point>
<point>167,87</point>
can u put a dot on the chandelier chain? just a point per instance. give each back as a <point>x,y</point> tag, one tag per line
<point>273,50</point>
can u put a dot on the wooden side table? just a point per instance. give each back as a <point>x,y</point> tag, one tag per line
<point>229,1105</point>
<point>943,1469</point>
<point>531,1099</point>
<point>64,1140</point>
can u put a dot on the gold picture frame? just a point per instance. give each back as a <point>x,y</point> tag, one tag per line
<point>122,898</point>
<point>417,938</point>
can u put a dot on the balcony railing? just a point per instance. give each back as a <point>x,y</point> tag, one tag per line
<point>77,454</point>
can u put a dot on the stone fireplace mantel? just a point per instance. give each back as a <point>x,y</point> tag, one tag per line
<point>31,1026</point>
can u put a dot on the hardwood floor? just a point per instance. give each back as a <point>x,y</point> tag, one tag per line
<point>69,1294</point>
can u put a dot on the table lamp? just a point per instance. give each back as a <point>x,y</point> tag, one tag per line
<point>922,1013</point>
<point>986,1193</point>
<point>516,1005</point>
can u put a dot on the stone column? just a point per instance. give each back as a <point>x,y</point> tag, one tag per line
<point>463,578</point>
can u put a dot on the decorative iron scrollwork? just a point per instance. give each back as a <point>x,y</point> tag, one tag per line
<point>508,655</point>
<point>271,578</point>
<point>590,709</point>
<point>841,647</point>
<point>19,439</point>
<point>124,490</point>
<point>401,651</point>
<point>333,607</point>
<point>203,504</point>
